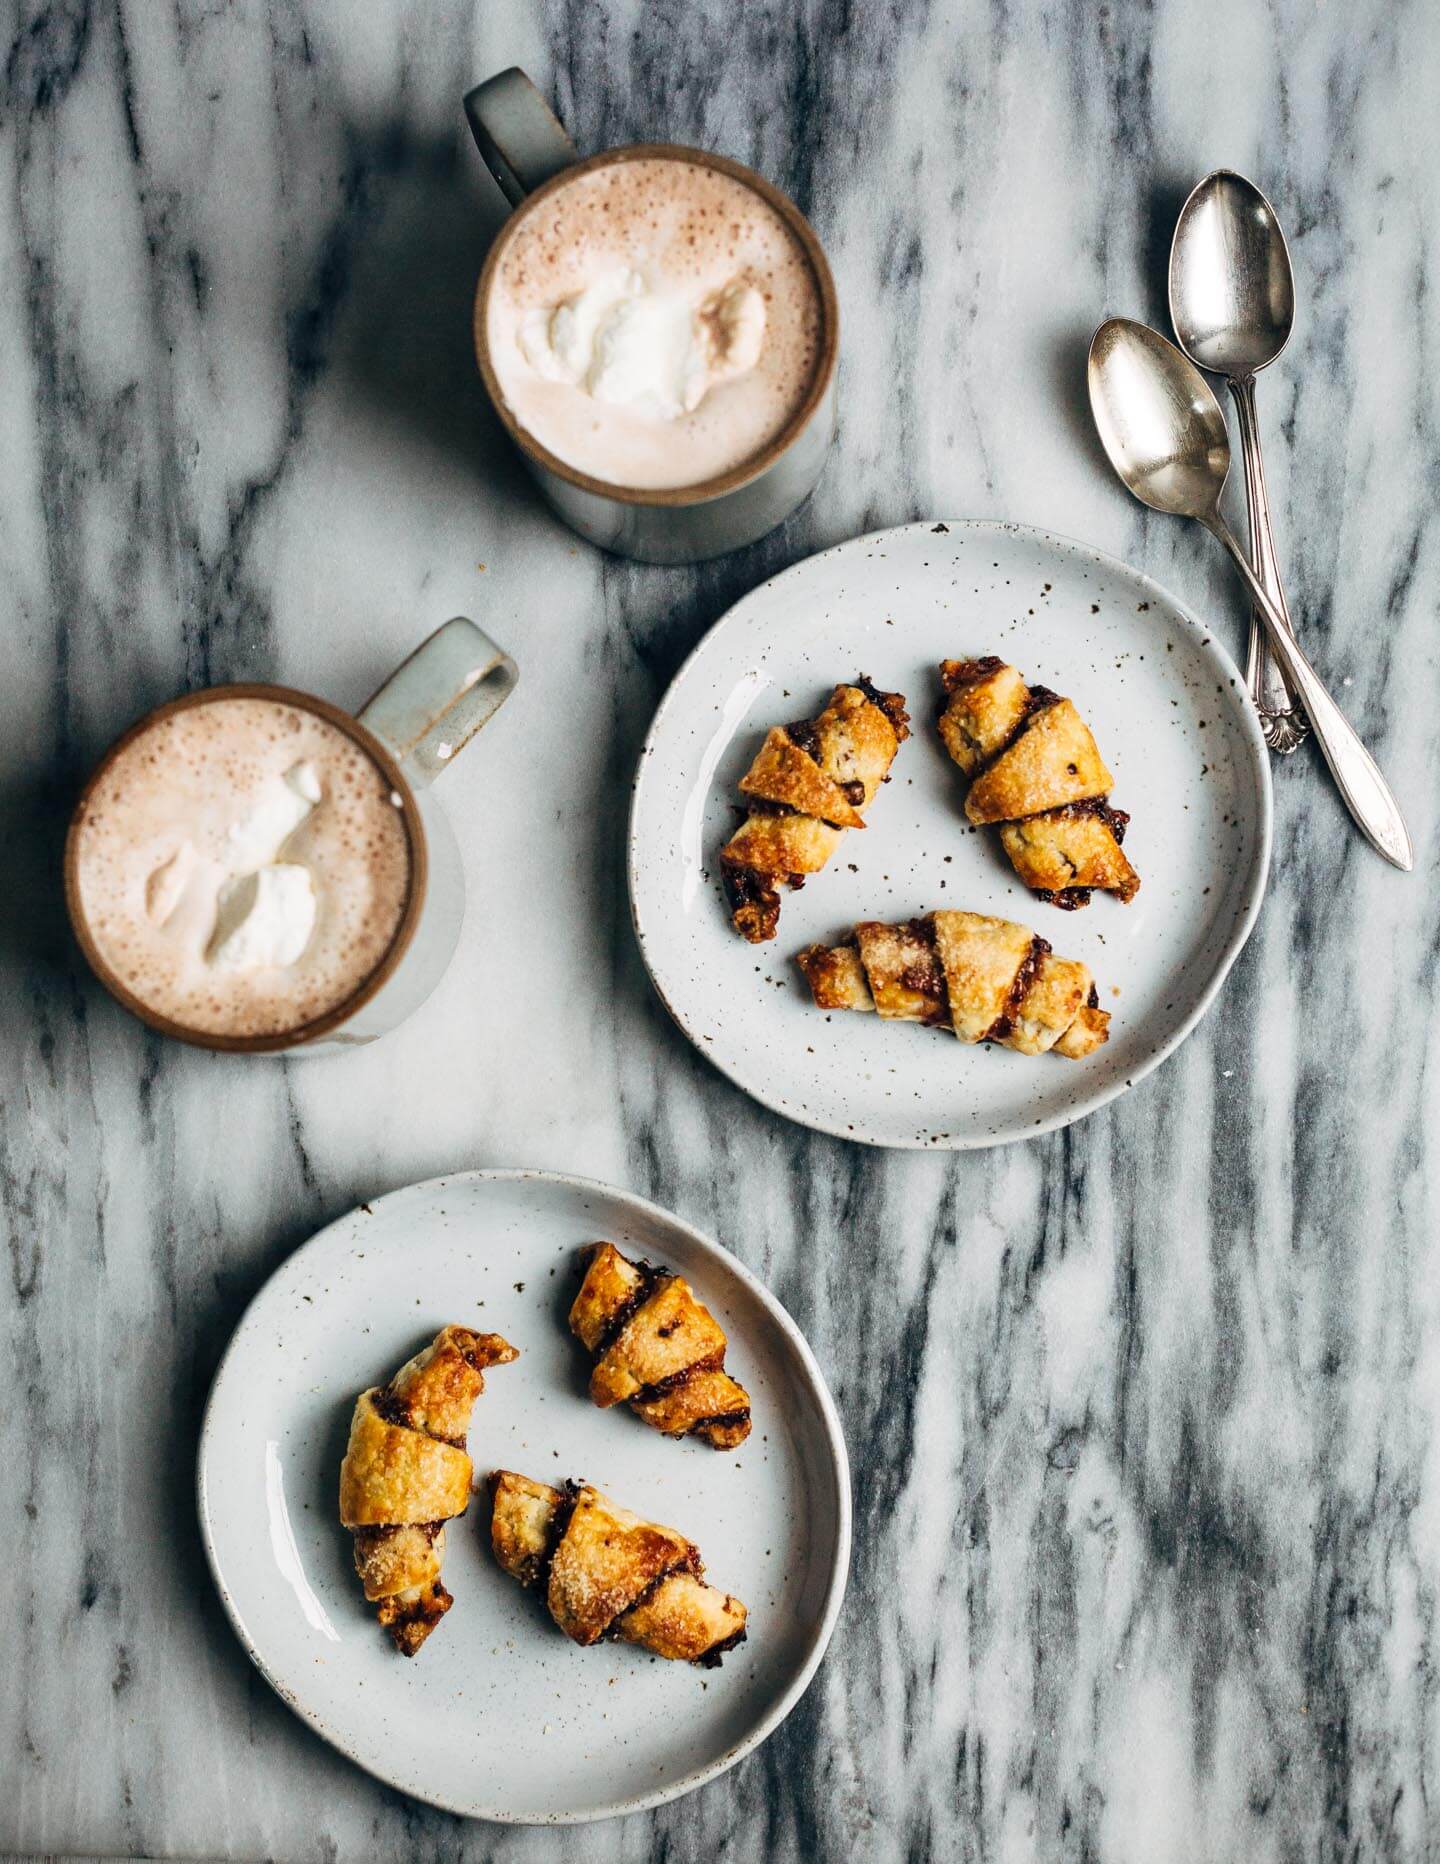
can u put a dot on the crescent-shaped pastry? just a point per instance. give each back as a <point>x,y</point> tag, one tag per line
<point>987,980</point>
<point>1036,772</point>
<point>807,785</point>
<point>605,1572</point>
<point>657,1348</point>
<point>406,1473</point>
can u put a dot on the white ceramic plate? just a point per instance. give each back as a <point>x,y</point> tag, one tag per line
<point>500,1716</point>
<point>1168,709</point>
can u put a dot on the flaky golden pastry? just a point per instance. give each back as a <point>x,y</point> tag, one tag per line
<point>406,1473</point>
<point>606,1572</point>
<point>986,705</point>
<point>987,980</point>
<point>1052,761</point>
<point>657,1348</point>
<point>783,773</point>
<point>1065,848</point>
<point>396,1472</point>
<point>808,785</point>
<point>1037,773</point>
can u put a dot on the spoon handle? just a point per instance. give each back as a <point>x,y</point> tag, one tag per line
<point>1283,722</point>
<point>1366,793</point>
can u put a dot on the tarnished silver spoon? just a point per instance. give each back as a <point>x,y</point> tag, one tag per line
<point>1232,302</point>
<point>1165,434</point>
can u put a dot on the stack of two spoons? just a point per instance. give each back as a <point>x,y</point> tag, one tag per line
<point>1232,303</point>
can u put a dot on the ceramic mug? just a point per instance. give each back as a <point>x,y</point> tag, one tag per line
<point>412,729</point>
<point>530,156</point>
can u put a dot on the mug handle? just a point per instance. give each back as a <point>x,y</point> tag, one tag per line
<point>433,704</point>
<point>518,134</point>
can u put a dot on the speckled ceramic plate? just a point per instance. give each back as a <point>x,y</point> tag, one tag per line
<point>1168,709</point>
<point>500,1716</point>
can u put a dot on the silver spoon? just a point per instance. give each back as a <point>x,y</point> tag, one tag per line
<point>1165,434</point>
<point>1232,302</point>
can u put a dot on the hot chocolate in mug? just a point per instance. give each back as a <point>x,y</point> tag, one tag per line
<point>252,869</point>
<point>657,328</point>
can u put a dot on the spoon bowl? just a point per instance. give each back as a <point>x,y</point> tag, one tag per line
<point>1158,420</point>
<point>1232,290</point>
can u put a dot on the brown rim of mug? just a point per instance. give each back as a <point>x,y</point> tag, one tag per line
<point>820,379</point>
<point>409,919</point>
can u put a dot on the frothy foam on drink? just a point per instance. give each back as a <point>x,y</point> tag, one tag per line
<point>242,867</point>
<point>654,323</point>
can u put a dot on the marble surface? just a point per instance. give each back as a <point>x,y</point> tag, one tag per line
<point>1143,1416</point>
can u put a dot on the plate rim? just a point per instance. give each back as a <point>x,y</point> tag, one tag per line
<point>839,1462</point>
<point>1207,641</point>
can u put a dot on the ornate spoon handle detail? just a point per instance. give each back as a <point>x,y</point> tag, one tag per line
<point>1367,795</point>
<point>1282,719</point>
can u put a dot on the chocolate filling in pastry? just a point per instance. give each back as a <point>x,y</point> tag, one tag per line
<point>406,1473</point>
<point>1035,773</point>
<point>655,1346</point>
<point>987,980</point>
<point>806,787</point>
<point>606,1573</point>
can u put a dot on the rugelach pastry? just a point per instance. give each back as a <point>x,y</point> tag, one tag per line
<point>604,1572</point>
<point>807,785</point>
<point>988,980</point>
<point>657,1348</point>
<point>1035,771</point>
<point>406,1474</point>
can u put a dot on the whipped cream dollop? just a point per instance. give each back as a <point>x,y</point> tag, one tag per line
<point>627,344</point>
<point>263,918</point>
<point>284,804</point>
<point>165,887</point>
<point>264,908</point>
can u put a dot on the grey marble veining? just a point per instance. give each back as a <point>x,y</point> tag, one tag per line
<point>1143,1416</point>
